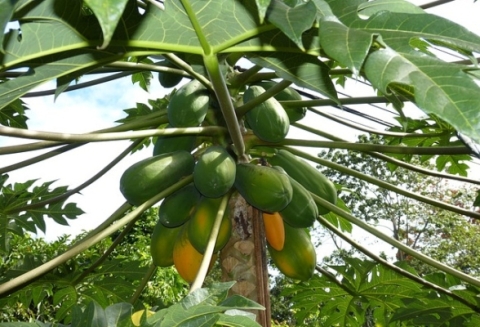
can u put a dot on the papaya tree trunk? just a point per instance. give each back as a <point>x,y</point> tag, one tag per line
<point>244,258</point>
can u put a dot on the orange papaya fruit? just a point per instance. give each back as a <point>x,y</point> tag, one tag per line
<point>186,258</point>
<point>297,259</point>
<point>201,223</point>
<point>274,230</point>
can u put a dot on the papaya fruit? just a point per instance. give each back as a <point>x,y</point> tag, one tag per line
<point>201,223</point>
<point>188,105</point>
<point>137,316</point>
<point>297,259</point>
<point>176,208</point>
<point>150,176</point>
<point>307,175</point>
<point>186,259</point>
<point>263,187</point>
<point>168,80</point>
<point>214,173</point>
<point>287,94</point>
<point>161,244</point>
<point>268,120</point>
<point>171,143</point>
<point>274,230</point>
<point>302,211</point>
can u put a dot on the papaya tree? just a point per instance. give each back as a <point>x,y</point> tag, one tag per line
<point>231,183</point>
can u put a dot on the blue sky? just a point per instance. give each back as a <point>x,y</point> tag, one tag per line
<point>98,107</point>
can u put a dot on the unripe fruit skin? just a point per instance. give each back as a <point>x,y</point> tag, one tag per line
<point>307,175</point>
<point>287,94</point>
<point>268,120</point>
<point>168,80</point>
<point>189,105</point>
<point>161,244</point>
<point>150,176</point>
<point>297,259</point>
<point>201,223</point>
<point>171,143</point>
<point>302,211</point>
<point>263,187</point>
<point>176,208</point>
<point>214,173</point>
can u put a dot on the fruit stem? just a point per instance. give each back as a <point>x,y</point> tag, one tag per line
<point>207,257</point>
<point>242,110</point>
<point>372,230</point>
<point>241,79</point>
<point>226,105</point>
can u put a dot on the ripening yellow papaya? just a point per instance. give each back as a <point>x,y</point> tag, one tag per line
<point>186,259</point>
<point>274,230</point>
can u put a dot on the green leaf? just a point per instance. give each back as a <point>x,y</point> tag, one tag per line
<point>262,6</point>
<point>13,115</point>
<point>367,9</point>
<point>346,45</point>
<point>440,88</point>
<point>303,70</point>
<point>48,69</point>
<point>236,321</point>
<point>92,316</point>
<point>143,77</point>
<point>5,15</point>
<point>108,14</point>
<point>292,21</point>
<point>119,315</point>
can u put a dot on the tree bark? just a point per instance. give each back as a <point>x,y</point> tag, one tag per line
<point>244,258</point>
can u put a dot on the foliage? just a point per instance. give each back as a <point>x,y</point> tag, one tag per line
<point>395,47</point>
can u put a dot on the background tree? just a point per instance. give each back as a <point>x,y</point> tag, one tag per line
<point>395,48</point>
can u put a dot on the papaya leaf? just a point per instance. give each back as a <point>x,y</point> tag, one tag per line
<point>119,315</point>
<point>92,316</point>
<point>16,216</point>
<point>346,45</point>
<point>236,321</point>
<point>49,68</point>
<point>6,14</point>
<point>108,14</point>
<point>13,115</point>
<point>301,69</point>
<point>454,99</point>
<point>262,6</point>
<point>143,78</point>
<point>367,9</point>
<point>300,18</point>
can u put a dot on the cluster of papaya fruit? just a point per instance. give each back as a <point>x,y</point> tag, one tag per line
<point>280,187</point>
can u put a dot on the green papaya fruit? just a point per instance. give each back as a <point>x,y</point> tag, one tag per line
<point>307,175</point>
<point>297,259</point>
<point>214,173</point>
<point>268,120</point>
<point>176,208</point>
<point>287,94</point>
<point>265,188</point>
<point>302,211</point>
<point>150,176</point>
<point>188,106</point>
<point>172,143</point>
<point>168,80</point>
<point>201,223</point>
<point>161,244</point>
